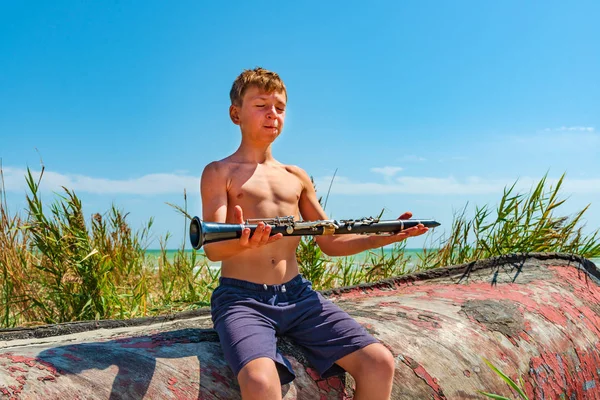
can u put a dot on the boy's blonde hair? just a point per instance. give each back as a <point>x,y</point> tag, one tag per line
<point>263,79</point>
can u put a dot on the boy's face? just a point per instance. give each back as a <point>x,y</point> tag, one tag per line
<point>261,114</point>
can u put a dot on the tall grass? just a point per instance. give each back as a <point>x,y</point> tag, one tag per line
<point>58,266</point>
<point>521,223</point>
<point>327,272</point>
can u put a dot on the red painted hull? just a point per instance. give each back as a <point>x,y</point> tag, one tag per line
<point>535,317</point>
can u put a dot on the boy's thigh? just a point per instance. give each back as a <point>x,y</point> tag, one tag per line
<point>327,332</point>
<point>245,334</point>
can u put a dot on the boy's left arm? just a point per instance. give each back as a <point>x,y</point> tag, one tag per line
<point>346,244</point>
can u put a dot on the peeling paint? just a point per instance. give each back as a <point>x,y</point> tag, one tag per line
<point>420,371</point>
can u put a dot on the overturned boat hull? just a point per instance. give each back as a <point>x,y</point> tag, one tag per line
<point>536,317</point>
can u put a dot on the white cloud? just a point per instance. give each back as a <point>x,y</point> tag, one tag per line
<point>412,158</point>
<point>14,181</point>
<point>453,159</point>
<point>169,183</point>
<point>387,171</point>
<point>451,185</point>
<point>567,139</point>
<point>572,129</point>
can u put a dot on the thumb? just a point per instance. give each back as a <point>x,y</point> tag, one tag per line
<point>406,215</point>
<point>239,215</point>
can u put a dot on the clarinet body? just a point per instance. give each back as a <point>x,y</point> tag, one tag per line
<point>202,233</point>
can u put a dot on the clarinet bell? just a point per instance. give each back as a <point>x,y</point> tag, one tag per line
<point>202,233</point>
<point>196,233</point>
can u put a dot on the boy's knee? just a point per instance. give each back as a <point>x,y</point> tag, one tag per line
<point>384,360</point>
<point>256,383</point>
<point>389,361</point>
<point>258,378</point>
<point>379,362</point>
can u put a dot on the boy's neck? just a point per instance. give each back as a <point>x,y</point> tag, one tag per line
<point>254,152</point>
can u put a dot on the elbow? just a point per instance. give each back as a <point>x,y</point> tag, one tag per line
<point>210,254</point>
<point>211,258</point>
<point>215,254</point>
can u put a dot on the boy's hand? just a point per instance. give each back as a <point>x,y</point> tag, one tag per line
<point>261,235</point>
<point>420,229</point>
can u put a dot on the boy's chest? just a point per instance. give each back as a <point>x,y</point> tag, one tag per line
<point>275,185</point>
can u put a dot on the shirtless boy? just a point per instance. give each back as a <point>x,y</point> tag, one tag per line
<point>261,293</point>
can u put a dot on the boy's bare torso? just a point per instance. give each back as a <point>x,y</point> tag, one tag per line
<point>263,190</point>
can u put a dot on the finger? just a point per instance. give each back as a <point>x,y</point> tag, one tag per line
<point>275,237</point>
<point>421,228</point>
<point>411,230</point>
<point>408,231</point>
<point>414,231</point>
<point>266,234</point>
<point>244,239</point>
<point>258,233</point>
<point>238,215</point>
<point>406,215</point>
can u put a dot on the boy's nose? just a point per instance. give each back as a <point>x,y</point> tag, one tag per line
<point>271,111</point>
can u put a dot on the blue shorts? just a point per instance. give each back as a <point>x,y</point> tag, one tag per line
<point>248,318</point>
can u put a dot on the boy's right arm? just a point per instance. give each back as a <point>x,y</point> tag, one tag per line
<point>213,188</point>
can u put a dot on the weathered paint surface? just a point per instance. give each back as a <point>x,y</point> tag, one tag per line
<point>535,317</point>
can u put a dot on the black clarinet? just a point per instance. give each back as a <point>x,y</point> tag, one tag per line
<point>202,233</point>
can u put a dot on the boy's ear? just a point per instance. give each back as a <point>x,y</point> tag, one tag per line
<point>234,114</point>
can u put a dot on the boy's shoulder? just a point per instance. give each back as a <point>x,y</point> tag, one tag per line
<point>227,168</point>
<point>216,173</point>
<point>298,172</point>
<point>229,165</point>
<point>294,169</point>
<point>220,167</point>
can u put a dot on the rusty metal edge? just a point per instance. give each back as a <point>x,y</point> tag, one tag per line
<point>462,270</point>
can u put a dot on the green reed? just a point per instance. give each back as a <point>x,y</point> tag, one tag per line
<point>521,223</point>
<point>328,272</point>
<point>58,266</point>
<point>515,388</point>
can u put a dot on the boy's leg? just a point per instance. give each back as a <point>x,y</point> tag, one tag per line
<point>333,339</point>
<point>247,336</point>
<point>259,380</point>
<point>372,367</point>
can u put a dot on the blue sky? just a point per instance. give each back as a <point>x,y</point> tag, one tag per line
<point>420,106</point>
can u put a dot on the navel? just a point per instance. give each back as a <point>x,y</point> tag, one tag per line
<point>272,261</point>
<point>240,195</point>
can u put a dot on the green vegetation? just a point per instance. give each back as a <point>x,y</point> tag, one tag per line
<point>521,223</point>
<point>518,389</point>
<point>56,267</point>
